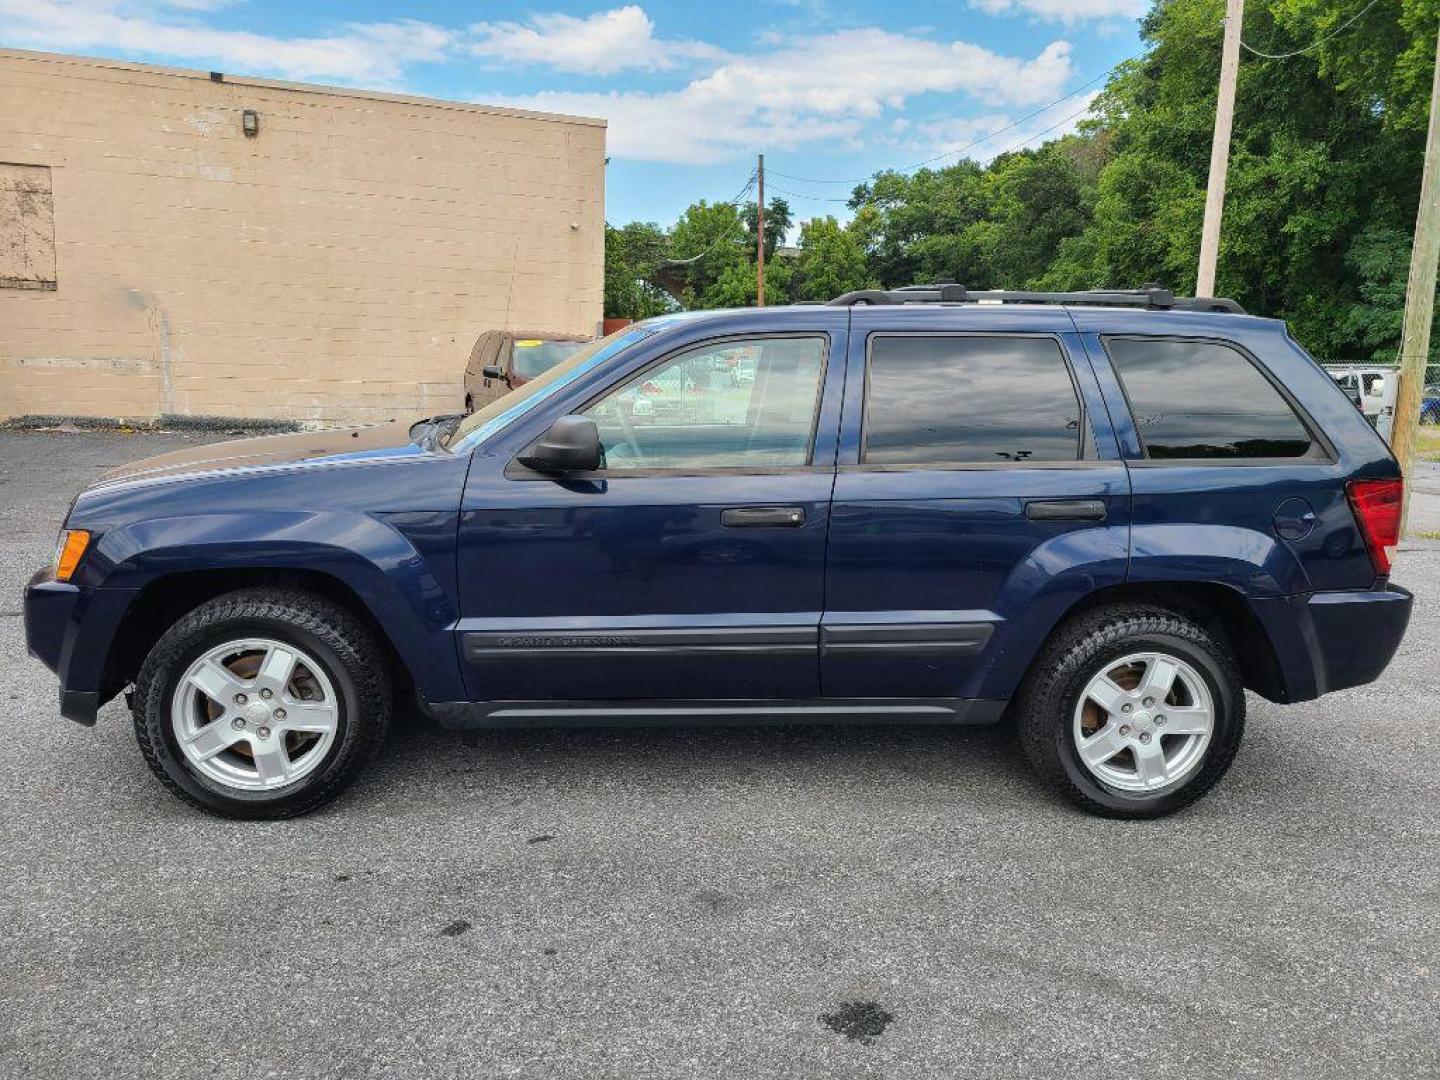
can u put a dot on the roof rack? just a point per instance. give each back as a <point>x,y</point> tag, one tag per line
<point>1147,296</point>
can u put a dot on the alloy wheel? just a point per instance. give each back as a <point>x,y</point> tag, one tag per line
<point>1143,722</point>
<point>255,714</point>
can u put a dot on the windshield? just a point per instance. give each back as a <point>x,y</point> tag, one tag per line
<point>501,411</point>
<point>535,357</point>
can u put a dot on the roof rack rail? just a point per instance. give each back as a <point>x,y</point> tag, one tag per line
<point>1147,296</point>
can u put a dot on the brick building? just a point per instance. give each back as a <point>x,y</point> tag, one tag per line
<point>180,242</point>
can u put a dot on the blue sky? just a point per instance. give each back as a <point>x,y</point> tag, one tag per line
<point>829,90</point>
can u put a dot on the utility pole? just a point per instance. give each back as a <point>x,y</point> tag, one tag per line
<point>1419,293</point>
<point>1220,149</point>
<point>760,230</point>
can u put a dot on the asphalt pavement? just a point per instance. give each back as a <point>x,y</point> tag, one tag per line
<point>802,902</point>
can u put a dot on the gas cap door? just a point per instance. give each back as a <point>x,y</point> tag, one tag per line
<point>1294,519</point>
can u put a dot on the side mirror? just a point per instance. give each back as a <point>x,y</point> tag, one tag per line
<point>490,371</point>
<point>572,444</point>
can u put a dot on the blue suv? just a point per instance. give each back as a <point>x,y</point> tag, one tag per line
<point>1105,514</point>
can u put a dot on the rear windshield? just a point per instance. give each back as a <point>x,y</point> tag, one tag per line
<point>1201,399</point>
<point>535,357</point>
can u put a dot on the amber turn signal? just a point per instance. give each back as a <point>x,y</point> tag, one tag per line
<point>68,551</point>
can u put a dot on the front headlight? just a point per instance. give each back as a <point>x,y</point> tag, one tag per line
<point>69,547</point>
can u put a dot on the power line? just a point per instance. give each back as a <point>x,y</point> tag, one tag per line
<point>811,198</point>
<point>724,236</point>
<point>1314,44</point>
<point>749,186</point>
<point>1029,116</point>
<point>1045,131</point>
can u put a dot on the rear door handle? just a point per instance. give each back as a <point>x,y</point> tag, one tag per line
<point>763,517</point>
<point>1066,510</point>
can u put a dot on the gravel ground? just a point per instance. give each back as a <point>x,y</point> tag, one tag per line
<point>837,903</point>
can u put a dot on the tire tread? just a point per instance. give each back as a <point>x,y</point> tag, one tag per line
<point>351,640</point>
<point>1076,643</point>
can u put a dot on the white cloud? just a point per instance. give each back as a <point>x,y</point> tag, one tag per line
<point>1068,12</point>
<point>787,93</point>
<point>600,44</point>
<point>373,54</point>
<point>969,137</point>
<point>806,91</point>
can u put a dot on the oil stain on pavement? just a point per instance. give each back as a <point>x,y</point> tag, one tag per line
<point>858,1021</point>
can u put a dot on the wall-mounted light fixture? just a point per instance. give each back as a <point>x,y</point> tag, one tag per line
<point>250,123</point>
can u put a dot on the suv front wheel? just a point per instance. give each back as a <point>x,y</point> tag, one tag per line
<point>1132,711</point>
<point>262,703</point>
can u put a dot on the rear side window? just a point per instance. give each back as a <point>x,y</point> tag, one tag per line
<point>942,400</point>
<point>1199,399</point>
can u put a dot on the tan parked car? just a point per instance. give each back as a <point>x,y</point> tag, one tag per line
<point>505,359</point>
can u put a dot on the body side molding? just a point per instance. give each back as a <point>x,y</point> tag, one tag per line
<point>720,712</point>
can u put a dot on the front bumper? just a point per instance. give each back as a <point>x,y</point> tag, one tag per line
<point>70,629</point>
<point>1328,641</point>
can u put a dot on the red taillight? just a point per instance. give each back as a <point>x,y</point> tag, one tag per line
<point>1377,511</point>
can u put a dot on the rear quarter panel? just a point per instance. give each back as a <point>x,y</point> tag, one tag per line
<point>1215,521</point>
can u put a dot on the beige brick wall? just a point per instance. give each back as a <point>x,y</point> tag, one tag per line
<point>338,266</point>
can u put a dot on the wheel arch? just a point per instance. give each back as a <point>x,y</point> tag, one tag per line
<point>1222,610</point>
<point>396,571</point>
<point>161,602</point>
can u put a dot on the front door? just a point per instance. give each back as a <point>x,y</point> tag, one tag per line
<point>979,491</point>
<point>692,565</point>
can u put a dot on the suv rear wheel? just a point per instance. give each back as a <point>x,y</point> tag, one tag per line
<point>1132,711</point>
<point>262,703</point>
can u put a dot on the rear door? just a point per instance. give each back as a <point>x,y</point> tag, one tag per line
<point>692,565</point>
<point>979,491</point>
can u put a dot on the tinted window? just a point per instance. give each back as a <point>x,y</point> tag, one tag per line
<point>934,400</point>
<point>1195,399</point>
<point>734,404</point>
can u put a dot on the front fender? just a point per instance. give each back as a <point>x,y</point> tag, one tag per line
<point>400,566</point>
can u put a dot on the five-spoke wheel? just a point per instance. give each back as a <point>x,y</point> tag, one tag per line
<point>262,703</point>
<point>1144,721</point>
<point>255,713</point>
<point>1132,710</point>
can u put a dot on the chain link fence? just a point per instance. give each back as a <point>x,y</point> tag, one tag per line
<point>1430,400</point>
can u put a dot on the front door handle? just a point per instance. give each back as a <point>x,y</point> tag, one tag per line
<point>1066,510</point>
<point>763,517</point>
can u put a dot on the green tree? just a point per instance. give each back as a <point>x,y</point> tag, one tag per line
<point>714,256</point>
<point>778,219</point>
<point>1324,173</point>
<point>633,255</point>
<point>832,261</point>
<point>709,245</point>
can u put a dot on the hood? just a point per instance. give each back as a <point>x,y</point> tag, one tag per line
<point>381,440</point>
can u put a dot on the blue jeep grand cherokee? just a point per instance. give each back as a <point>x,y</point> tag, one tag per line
<point>1105,513</point>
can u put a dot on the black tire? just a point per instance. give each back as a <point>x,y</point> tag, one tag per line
<point>353,662</point>
<point>1060,673</point>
